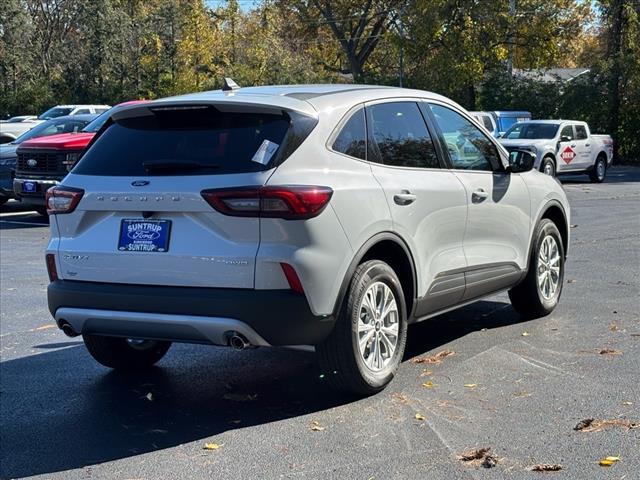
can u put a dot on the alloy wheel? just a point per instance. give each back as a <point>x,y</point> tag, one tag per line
<point>378,326</point>
<point>548,267</point>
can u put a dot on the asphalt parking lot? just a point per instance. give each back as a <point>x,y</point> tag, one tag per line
<point>517,387</point>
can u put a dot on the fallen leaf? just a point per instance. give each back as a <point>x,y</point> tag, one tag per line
<point>574,225</point>
<point>212,446</point>
<point>610,351</point>
<point>45,327</point>
<point>419,416</point>
<point>627,403</point>
<point>437,358</point>
<point>613,327</point>
<point>400,398</point>
<point>480,456</point>
<point>471,385</point>
<point>428,384</point>
<point>426,373</point>
<point>490,461</point>
<point>525,334</point>
<point>316,427</point>
<point>546,467</point>
<point>594,425</point>
<point>571,280</point>
<point>608,461</point>
<point>240,397</point>
<point>149,396</point>
<point>475,454</point>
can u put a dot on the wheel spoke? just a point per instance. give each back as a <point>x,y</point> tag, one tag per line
<point>364,340</point>
<point>390,329</point>
<point>389,345</point>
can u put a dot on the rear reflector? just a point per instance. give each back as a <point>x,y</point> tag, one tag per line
<point>292,277</point>
<point>51,267</point>
<point>63,199</point>
<point>288,202</point>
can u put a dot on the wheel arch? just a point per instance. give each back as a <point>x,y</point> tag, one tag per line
<point>393,250</point>
<point>548,154</point>
<point>555,212</point>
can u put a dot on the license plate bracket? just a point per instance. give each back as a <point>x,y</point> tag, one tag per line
<point>141,235</point>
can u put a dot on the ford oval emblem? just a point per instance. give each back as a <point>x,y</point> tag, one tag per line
<point>32,162</point>
<point>140,183</point>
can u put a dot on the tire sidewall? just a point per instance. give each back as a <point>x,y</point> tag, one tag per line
<point>545,228</point>
<point>377,271</point>
<point>604,173</point>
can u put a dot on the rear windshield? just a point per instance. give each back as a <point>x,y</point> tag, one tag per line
<point>194,141</point>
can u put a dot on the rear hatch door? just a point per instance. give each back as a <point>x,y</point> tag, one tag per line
<point>142,219</point>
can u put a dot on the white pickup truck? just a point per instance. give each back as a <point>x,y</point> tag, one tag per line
<point>562,146</point>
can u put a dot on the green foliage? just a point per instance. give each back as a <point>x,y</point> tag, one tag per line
<point>107,51</point>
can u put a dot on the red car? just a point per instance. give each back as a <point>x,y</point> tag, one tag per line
<point>44,161</point>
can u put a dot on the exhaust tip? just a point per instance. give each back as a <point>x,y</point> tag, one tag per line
<point>67,329</point>
<point>237,341</point>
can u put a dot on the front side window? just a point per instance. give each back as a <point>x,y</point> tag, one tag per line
<point>352,139</point>
<point>400,135</point>
<point>468,147</point>
<point>581,132</point>
<point>567,134</point>
<point>82,111</point>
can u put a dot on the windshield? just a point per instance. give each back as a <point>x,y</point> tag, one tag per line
<point>52,127</point>
<point>55,112</point>
<point>534,131</point>
<point>97,123</point>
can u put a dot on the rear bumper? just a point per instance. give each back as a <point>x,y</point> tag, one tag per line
<point>187,314</point>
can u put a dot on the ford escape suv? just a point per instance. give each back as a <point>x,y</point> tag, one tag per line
<point>329,216</point>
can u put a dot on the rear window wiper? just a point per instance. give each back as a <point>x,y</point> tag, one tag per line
<point>176,165</point>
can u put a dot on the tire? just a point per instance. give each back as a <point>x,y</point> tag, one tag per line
<point>599,170</point>
<point>123,353</point>
<point>529,298</point>
<point>548,166</point>
<point>342,362</point>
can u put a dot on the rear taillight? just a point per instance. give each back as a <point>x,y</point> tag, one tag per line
<point>51,267</point>
<point>63,199</point>
<point>288,202</point>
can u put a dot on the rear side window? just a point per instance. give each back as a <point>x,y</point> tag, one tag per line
<point>352,139</point>
<point>581,132</point>
<point>400,135</point>
<point>194,141</point>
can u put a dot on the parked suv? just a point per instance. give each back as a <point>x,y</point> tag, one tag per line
<point>327,216</point>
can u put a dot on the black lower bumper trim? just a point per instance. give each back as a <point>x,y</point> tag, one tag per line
<point>281,317</point>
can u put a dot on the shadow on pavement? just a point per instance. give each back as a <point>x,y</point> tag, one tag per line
<point>615,174</point>
<point>61,411</point>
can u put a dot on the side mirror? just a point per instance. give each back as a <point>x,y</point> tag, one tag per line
<point>520,161</point>
<point>501,134</point>
<point>565,138</point>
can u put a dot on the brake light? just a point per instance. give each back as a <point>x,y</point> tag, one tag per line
<point>51,267</point>
<point>287,202</point>
<point>292,277</point>
<point>63,199</point>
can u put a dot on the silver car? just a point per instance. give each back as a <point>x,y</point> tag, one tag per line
<point>326,216</point>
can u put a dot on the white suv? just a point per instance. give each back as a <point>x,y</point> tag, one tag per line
<point>329,216</point>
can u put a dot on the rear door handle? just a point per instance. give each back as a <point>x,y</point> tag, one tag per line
<point>478,195</point>
<point>587,144</point>
<point>573,145</point>
<point>405,197</point>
